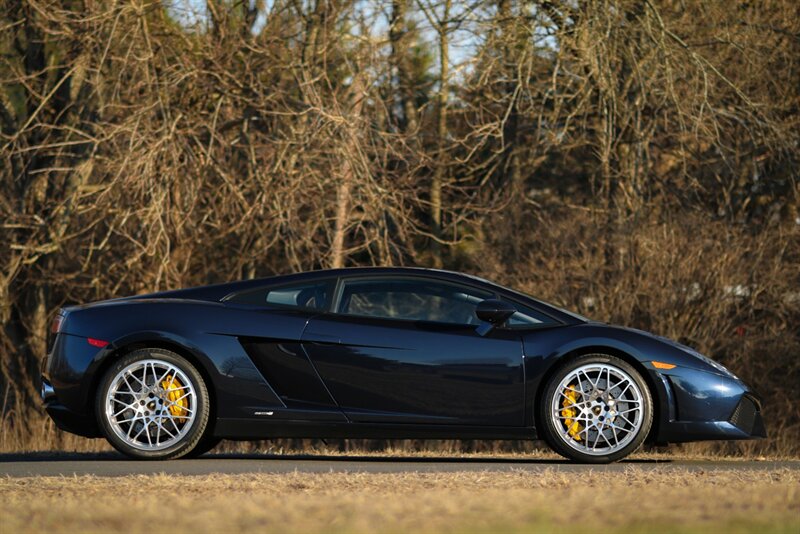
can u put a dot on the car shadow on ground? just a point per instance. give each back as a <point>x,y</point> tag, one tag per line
<point>48,456</point>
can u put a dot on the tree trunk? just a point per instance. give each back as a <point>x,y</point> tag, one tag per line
<point>401,42</point>
<point>441,134</point>
<point>345,189</point>
<point>508,35</point>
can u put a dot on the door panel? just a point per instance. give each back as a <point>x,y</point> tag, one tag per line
<point>384,370</point>
<point>271,338</point>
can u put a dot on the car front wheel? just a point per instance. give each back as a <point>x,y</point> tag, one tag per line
<point>596,409</point>
<point>153,404</point>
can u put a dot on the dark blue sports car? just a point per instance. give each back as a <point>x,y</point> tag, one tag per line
<point>377,353</point>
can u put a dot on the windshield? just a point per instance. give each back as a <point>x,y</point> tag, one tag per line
<point>529,297</point>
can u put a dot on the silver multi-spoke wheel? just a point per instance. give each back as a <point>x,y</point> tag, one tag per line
<point>150,405</point>
<point>598,409</point>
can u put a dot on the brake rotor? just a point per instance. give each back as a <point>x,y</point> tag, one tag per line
<point>574,428</point>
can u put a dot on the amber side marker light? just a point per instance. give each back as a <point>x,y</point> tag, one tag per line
<point>662,365</point>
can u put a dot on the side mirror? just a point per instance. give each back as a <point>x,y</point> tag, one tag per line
<point>493,313</point>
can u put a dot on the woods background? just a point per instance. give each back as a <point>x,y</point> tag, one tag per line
<point>636,161</point>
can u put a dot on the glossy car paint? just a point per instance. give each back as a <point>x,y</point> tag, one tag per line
<point>280,372</point>
<point>384,371</point>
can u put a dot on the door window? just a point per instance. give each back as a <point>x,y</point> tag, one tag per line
<point>526,317</point>
<point>310,295</point>
<point>411,300</point>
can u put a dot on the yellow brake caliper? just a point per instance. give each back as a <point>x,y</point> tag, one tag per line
<point>173,387</point>
<point>570,411</point>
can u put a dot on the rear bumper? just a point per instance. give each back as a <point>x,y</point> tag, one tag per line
<point>64,418</point>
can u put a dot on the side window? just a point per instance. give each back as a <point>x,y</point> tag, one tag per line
<point>412,300</point>
<point>312,295</point>
<point>525,316</point>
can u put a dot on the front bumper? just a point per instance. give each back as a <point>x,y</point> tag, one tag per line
<point>708,406</point>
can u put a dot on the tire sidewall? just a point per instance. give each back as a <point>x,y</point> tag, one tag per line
<point>195,433</point>
<point>551,433</point>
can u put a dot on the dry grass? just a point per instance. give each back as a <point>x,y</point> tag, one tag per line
<point>633,501</point>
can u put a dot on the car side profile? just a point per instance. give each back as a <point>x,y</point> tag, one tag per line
<point>377,353</point>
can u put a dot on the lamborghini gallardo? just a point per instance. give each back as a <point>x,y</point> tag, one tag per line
<point>382,353</point>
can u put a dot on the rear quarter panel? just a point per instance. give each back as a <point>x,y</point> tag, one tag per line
<point>206,332</point>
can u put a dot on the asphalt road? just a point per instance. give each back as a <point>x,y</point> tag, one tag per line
<point>111,464</point>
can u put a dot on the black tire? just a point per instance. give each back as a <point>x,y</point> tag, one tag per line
<point>192,436</point>
<point>557,433</point>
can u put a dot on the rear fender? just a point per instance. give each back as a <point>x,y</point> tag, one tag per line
<point>233,381</point>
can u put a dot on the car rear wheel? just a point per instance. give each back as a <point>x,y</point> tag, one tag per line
<point>596,409</point>
<point>153,404</point>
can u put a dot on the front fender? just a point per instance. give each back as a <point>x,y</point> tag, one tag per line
<point>546,349</point>
<point>695,391</point>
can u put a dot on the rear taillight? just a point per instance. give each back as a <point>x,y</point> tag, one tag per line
<point>55,327</point>
<point>58,322</point>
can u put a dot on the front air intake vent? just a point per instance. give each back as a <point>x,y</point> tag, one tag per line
<point>744,416</point>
